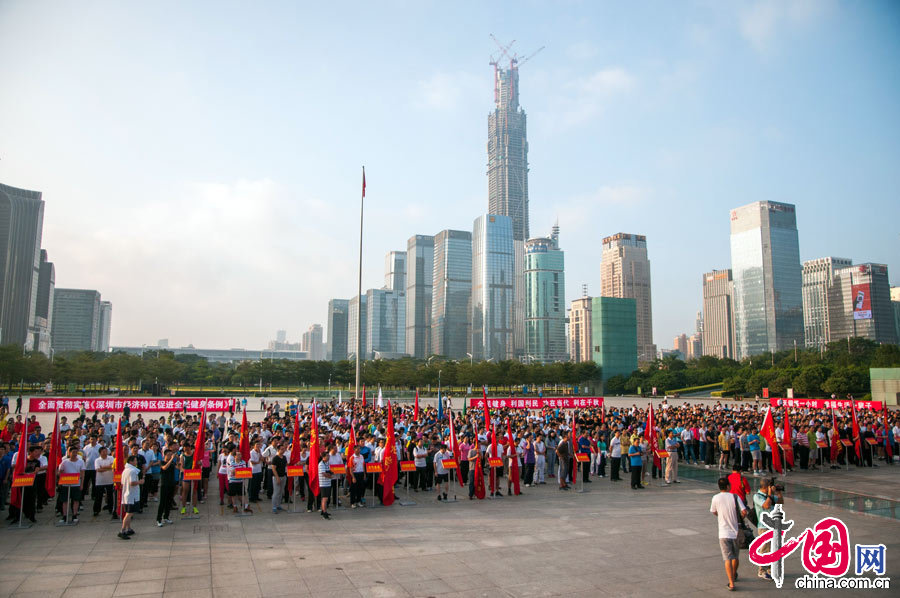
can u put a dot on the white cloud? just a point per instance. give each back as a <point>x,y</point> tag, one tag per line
<point>762,22</point>
<point>446,91</point>
<point>588,95</point>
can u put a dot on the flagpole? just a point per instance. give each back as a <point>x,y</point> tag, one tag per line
<point>362,200</point>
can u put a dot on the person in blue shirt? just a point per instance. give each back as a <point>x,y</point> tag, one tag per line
<point>635,455</point>
<point>36,437</point>
<point>5,466</point>
<point>584,446</point>
<point>755,452</point>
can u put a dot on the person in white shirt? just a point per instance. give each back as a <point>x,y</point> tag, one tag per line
<point>72,464</point>
<point>131,495</point>
<point>419,457</point>
<point>442,475</point>
<point>725,507</point>
<point>540,460</point>
<point>91,451</point>
<point>335,457</point>
<point>256,468</point>
<point>103,484</point>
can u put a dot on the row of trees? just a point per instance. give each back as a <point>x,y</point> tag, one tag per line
<point>842,368</point>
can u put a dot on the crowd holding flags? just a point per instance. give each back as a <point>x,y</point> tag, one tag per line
<point>313,473</point>
<point>767,431</point>
<point>244,446</point>
<point>389,473</point>
<point>652,438</point>
<point>493,456</point>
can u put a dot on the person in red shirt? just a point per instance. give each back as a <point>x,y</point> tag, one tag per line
<point>738,483</point>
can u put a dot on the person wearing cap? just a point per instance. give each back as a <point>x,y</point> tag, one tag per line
<point>764,501</point>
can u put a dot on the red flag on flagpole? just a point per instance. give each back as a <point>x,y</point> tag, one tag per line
<point>888,445</point>
<point>351,444</point>
<point>856,435</point>
<point>53,459</point>
<point>364,182</point>
<point>652,438</point>
<point>493,455</point>
<point>513,459</point>
<point>479,477</point>
<point>313,463</point>
<point>574,449</point>
<point>454,447</point>
<point>200,447</point>
<point>835,438</point>
<point>244,445</point>
<point>119,465</point>
<point>364,396</point>
<point>487,415</point>
<point>767,431</point>
<point>15,498</point>
<point>295,441</point>
<point>416,415</point>
<point>787,439</point>
<point>389,471</point>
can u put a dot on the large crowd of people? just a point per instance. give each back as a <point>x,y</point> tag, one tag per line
<point>484,452</point>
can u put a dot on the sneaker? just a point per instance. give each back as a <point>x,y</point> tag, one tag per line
<point>183,510</point>
<point>352,506</point>
<point>248,510</point>
<point>123,536</point>
<point>130,532</point>
<point>196,511</point>
<point>168,521</point>
<point>62,521</point>
<point>274,511</point>
<point>439,498</point>
<point>159,524</point>
<point>309,510</point>
<point>75,520</point>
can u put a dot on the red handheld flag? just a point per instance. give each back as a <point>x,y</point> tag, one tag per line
<point>119,465</point>
<point>835,438</point>
<point>15,498</point>
<point>767,431</point>
<point>493,455</point>
<point>53,459</point>
<point>200,447</point>
<point>244,445</point>
<point>888,445</point>
<point>652,439</point>
<point>416,415</point>
<point>856,434</point>
<point>351,444</point>
<point>389,471</point>
<point>787,439</point>
<point>313,464</point>
<point>454,447</point>
<point>487,415</point>
<point>513,459</point>
<point>295,441</point>
<point>574,473</point>
<point>479,477</point>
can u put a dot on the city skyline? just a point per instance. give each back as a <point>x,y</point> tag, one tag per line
<point>617,131</point>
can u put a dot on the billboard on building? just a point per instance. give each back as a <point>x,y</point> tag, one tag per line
<point>862,301</point>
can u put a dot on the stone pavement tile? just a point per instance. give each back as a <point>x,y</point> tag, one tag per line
<point>429,587</point>
<point>179,584</point>
<point>149,563</point>
<point>204,593</point>
<point>351,556</point>
<point>314,560</point>
<point>384,591</point>
<point>327,581</point>
<point>362,579</point>
<point>9,583</point>
<point>242,591</point>
<point>39,582</point>
<point>88,579</point>
<point>144,574</point>
<point>94,591</point>
<point>52,568</point>
<point>103,566</point>
<point>188,571</point>
<point>135,588</point>
<point>242,566</point>
<point>232,579</point>
<point>465,582</point>
<point>39,594</point>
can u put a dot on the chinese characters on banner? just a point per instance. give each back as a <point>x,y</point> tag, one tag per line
<point>537,403</point>
<point>51,404</point>
<point>825,404</point>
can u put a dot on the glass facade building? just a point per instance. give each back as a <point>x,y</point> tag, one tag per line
<point>385,322</point>
<point>859,304</point>
<point>451,294</point>
<point>356,336</point>
<point>419,278</point>
<point>614,334</point>
<point>76,320</point>
<point>818,276</point>
<point>718,314</point>
<point>21,225</point>
<point>395,271</point>
<point>105,326</point>
<point>338,312</point>
<point>625,273</point>
<point>768,281</point>
<point>545,291</point>
<point>493,288</point>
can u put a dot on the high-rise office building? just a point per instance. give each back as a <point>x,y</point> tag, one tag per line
<point>614,334</point>
<point>768,278</point>
<point>281,336</point>
<point>76,320</point>
<point>395,271</point>
<point>105,326</point>
<point>625,273</point>
<point>451,294</point>
<point>895,303</point>
<point>338,311</point>
<point>43,313</point>
<point>357,334</point>
<point>493,288</point>
<point>694,346</point>
<point>818,276</point>
<point>859,304</point>
<point>419,278</point>
<point>680,344</point>
<point>580,348</point>
<point>718,314</point>
<point>312,343</point>
<point>545,296</point>
<point>507,150</point>
<point>21,224</point>
<point>385,324</point>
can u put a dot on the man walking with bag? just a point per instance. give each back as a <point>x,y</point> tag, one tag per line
<point>730,511</point>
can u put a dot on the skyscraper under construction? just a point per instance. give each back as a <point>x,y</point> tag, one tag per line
<point>508,174</point>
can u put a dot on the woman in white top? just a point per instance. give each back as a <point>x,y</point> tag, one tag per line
<point>222,474</point>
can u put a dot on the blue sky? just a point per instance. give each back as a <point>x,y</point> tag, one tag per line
<point>200,161</point>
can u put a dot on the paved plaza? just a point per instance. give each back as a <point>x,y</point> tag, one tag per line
<point>609,541</point>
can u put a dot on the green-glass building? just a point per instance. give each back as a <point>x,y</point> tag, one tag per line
<point>614,335</point>
<point>545,291</point>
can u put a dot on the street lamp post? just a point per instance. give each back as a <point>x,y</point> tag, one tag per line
<point>470,358</point>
